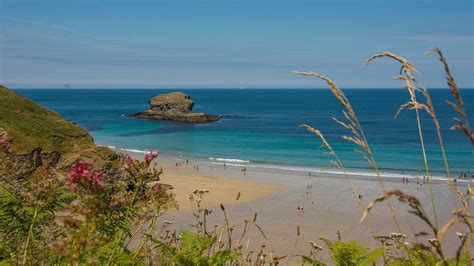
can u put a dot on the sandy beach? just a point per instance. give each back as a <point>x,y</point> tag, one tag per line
<point>185,178</point>
<point>329,204</point>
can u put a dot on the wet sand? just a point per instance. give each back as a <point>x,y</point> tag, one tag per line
<point>330,206</point>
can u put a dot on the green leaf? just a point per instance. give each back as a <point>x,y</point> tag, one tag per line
<point>351,253</point>
<point>372,257</point>
<point>127,258</point>
<point>193,245</point>
<point>464,259</point>
<point>165,250</point>
<point>223,256</point>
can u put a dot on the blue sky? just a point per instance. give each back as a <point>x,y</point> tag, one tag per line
<point>224,43</point>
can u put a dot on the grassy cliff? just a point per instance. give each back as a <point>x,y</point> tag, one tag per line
<point>40,136</point>
<point>30,126</point>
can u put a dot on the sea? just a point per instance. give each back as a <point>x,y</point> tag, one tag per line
<point>260,128</point>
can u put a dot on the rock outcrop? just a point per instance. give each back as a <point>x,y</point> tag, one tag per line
<point>175,106</point>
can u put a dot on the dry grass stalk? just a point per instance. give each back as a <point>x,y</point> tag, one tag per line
<point>462,122</point>
<point>415,208</point>
<point>462,216</point>
<point>298,234</point>
<point>358,137</point>
<point>340,166</point>
<point>411,85</point>
<point>405,63</point>
<point>407,73</point>
<point>429,108</point>
<point>431,111</point>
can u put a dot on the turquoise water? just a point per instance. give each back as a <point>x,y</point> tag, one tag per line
<point>260,127</point>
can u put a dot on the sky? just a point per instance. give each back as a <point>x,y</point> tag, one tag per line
<point>229,44</point>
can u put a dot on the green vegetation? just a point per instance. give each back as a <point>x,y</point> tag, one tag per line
<point>347,253</point>
<point>30,126</point>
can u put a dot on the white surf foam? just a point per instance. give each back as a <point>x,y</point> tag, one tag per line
<point>134,150</point>
<point>228,160</point>
<point>305,170</point>
<point>313,171</point>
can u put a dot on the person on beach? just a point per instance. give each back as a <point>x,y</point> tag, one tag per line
<point>300,209</point>
<point>224,166</point>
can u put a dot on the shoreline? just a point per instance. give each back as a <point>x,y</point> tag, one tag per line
<point>303,171</point>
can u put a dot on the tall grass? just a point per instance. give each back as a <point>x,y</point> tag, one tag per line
<point>462,122</point>
<point>407,75</point>
<point>358,136</point>
<point>339,165</point>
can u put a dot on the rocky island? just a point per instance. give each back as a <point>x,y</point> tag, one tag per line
<point>175,106</point>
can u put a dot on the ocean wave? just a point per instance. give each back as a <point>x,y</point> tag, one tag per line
<point>228,160</point>
<point>305,170</point>
<point>133,150</point>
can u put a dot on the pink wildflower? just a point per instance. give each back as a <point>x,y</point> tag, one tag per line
<point>84,172</point>
<point>18,111</point>
<point>150,156</point>
<point>127,163</point>
<point>157,186</point>
<point>5,144</point>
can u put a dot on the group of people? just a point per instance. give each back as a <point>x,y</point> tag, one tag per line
<point>196,166</point>
<point>405,180</point>
<point>466,175</point>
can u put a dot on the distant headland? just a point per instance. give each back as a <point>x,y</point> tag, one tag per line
<point>175,106</point>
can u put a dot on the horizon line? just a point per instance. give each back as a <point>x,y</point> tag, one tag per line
<point>217,88</point>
